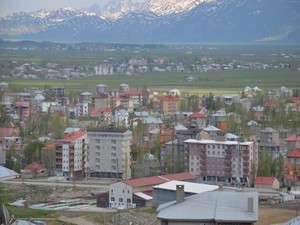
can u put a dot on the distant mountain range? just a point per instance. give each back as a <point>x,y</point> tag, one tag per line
<point>162,21</point>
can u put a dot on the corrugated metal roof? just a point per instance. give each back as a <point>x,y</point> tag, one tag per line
<point>7,173</point>
<point>215,206</point>
<point>143,196</point>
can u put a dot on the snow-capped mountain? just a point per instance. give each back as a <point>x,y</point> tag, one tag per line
<point>162,21</point>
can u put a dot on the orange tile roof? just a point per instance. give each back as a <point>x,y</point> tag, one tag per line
<point>197,115</point>
<point>72,136</point>
<point>169,98</point>
<point>293,138</point>
<point>295,153</point>
<point>34,166</point>
<point>268,103</point>
<point>289,177</point>
<point>296,99</point>
<point>148,181</point>
<point>50,147</point>
<point>289,166</point>
<point>94,112</point>
<point>264,180</point>
<point>22,104</point>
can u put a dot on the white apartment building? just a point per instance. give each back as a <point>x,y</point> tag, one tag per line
<point>221,161</point>
<point>71,156</point>
<point>82,109</point>
<point>121,118</point>
<point>104,69</point>
<point>109,151</point>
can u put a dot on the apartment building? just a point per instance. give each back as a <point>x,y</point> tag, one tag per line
<point>71,156</point>
<point>221,161</point>
<point>169,105</point>
<point>109,151</point>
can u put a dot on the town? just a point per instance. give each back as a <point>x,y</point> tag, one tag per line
<point>149,143</point>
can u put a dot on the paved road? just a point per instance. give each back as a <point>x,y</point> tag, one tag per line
<point>104,187</point>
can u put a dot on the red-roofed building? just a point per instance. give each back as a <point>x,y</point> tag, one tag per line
<point>121,193</point>
<point>293,167</point>
<point>22,109</point>
<point>197,120</point>
<point>292,142</point>
<point>266,183</point>
<point>71,155</point>
<point>169,105</point>
<point>136,96</point>
<point>104,114</point>
<point>34,169</point>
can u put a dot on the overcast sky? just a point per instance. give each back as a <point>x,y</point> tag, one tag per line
<point>9,6</point>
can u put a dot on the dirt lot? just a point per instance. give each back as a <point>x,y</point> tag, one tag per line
<point>271,215</point>
<point>267,214</point>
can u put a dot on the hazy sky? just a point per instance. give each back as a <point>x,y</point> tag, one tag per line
<point>9,6</point>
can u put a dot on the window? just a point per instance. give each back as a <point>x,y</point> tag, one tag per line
<point>112,199</point>
<point>128,200</point>
<point>120,199</point>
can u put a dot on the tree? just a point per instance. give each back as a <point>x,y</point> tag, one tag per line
<point>32,151</point>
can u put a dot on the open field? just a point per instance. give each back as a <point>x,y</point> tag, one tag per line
<point>232,81</point>
<point>215,82</point>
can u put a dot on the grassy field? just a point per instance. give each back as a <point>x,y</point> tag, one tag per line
<point>215,82</point>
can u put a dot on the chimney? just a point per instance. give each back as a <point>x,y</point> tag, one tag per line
<point>179,193</point>
<point>250,204</point>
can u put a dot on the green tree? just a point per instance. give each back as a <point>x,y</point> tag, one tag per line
<point>32,151</point>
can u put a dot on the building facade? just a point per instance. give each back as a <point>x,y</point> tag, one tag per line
<point>110,153</point>
<point>169,105</point>
<point>221,161</point>
<point>71,156</point>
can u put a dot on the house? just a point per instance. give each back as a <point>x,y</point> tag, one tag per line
<point>292,142</point>
<point>197,120</point>
<point>292,176</point>
<point>213,207</point>
<point>33,170</point>
<point>22,110</point>
<point>71,156</point>
<point>269,140</point>
<point>121,194</point>
<point>220,115</point>
<point>85,97</point>
<point>166,192</point>
<point>270,183</point>
<point>100,100</point>
<point>109,152</point>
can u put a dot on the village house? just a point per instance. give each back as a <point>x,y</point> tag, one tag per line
<point>292,176</point>
<point>138,192</point>
<point>270,183</point>
<point>269,140</point>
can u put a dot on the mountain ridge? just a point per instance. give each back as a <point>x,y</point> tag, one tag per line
<point>195,21</point>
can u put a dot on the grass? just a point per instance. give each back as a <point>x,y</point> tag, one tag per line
<point>215,82</point>
<point>8,195</point>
